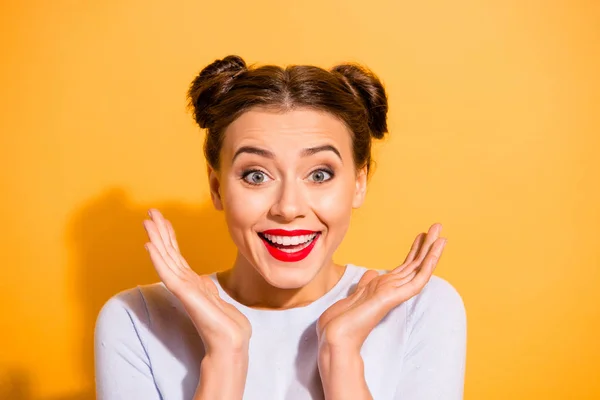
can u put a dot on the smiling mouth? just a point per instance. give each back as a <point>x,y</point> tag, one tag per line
<point>289,246</point>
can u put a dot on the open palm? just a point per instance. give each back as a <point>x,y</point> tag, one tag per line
<point>220,325</point>
<point>348,322</point>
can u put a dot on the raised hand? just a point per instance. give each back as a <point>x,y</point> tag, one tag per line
<point>347,323</point>
<point>221,326</point>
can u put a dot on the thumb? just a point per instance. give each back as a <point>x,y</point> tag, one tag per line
<point>366,278</point>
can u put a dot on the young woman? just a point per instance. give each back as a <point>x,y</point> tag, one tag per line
<point>289,154</point>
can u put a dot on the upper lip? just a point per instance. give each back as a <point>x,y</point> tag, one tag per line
<point>283,232</point>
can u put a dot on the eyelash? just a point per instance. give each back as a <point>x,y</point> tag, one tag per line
<point>327,171</point>
<point>247,172</point>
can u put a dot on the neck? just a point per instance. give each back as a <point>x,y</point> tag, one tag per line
<point>244,284</point>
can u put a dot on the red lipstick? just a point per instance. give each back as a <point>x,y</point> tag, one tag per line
<point>283,232</point>
<point>289,256</point>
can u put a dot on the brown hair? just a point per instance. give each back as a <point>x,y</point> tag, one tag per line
<point>226,88</point>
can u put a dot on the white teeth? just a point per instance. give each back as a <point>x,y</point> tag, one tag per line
<point>290,240</point>
<point>294,250</point>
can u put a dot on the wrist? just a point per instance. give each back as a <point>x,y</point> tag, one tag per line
<point>230,361</point>
<point>222,376</point>
<point>228,351</point>
<point>328,351</point>
<point>226,343</point>
<point>329,357</point>
<point>342,374</point>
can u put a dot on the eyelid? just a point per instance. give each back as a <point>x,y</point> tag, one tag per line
<point>249,171</point>
<point>327,170</point>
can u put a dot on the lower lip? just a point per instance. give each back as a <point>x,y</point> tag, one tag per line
<point>290,257</point>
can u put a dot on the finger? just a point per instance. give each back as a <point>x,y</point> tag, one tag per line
<point>427,266</point>
<point>415,248</point>
<point>209,286</point>
<point>415,281</point>
<point>172,237</point>
<point>367,277</point>
<point>404,280</point>
<point>159,220</point>
<point>167,251</point>
<point>432,236</point>
<point>171,243</point>
<point>184,263</point>
<point>169,256</point>
<point>154,236</point>
<point>162,267</point>
<point>407,270</point>
<point>418,242</point>
<point>415,265</point>
<point>173,240</point>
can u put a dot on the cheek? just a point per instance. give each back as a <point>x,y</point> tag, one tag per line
<point>243,208</point>
<point>334,206</point>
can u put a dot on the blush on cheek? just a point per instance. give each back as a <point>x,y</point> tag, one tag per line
<point>334,209</point>
<point>246,208</point>
<point>332,202</point>
<point>245,204</point>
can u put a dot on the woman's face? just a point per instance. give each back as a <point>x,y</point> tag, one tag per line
<point>287,184</point>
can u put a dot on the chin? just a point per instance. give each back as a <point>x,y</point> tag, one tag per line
<point>289,275</point>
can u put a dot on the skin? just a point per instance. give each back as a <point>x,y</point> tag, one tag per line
<point>288,189</point>
<point>289,198</point>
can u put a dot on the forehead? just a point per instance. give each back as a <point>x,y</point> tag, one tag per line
<point>286,131</point>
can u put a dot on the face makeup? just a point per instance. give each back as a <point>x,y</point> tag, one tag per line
<point>289,246</point>
<point>287,185</point>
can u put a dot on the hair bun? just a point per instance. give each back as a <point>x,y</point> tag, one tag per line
<point>367,87</point>
<point>228,65</point>
<point>212,82</point>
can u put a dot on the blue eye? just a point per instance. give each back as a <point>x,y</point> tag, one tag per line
<point>255,177</point>
<point>320,176</point>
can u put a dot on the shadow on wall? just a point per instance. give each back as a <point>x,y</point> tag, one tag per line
<point>15,384</point>
<point>107,237</point>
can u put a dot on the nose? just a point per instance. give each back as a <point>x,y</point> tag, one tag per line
<point>290,203</point>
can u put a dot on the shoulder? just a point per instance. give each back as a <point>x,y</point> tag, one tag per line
<point>440,292</point>
<point>134,308</point>
<point>439,303</point>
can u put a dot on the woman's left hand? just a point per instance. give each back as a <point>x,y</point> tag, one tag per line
<point>346,324</point>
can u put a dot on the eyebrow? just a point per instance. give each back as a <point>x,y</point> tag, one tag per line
<point>268,154</point>
<point>314,150</point>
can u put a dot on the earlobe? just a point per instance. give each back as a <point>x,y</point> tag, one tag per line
<point>361,188</point>
<point>215,188</point>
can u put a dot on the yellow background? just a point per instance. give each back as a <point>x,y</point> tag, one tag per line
<point>495,132</point>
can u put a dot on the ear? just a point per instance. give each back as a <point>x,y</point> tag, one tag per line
<point>215,188</point>
<point>361,188</point>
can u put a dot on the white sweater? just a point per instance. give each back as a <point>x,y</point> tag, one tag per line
<point>146,347</point>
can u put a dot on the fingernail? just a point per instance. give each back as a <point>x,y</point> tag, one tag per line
<point>150,213</point>
<point>146,247</point>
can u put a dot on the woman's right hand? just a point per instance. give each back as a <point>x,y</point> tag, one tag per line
<point>223,329</point>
